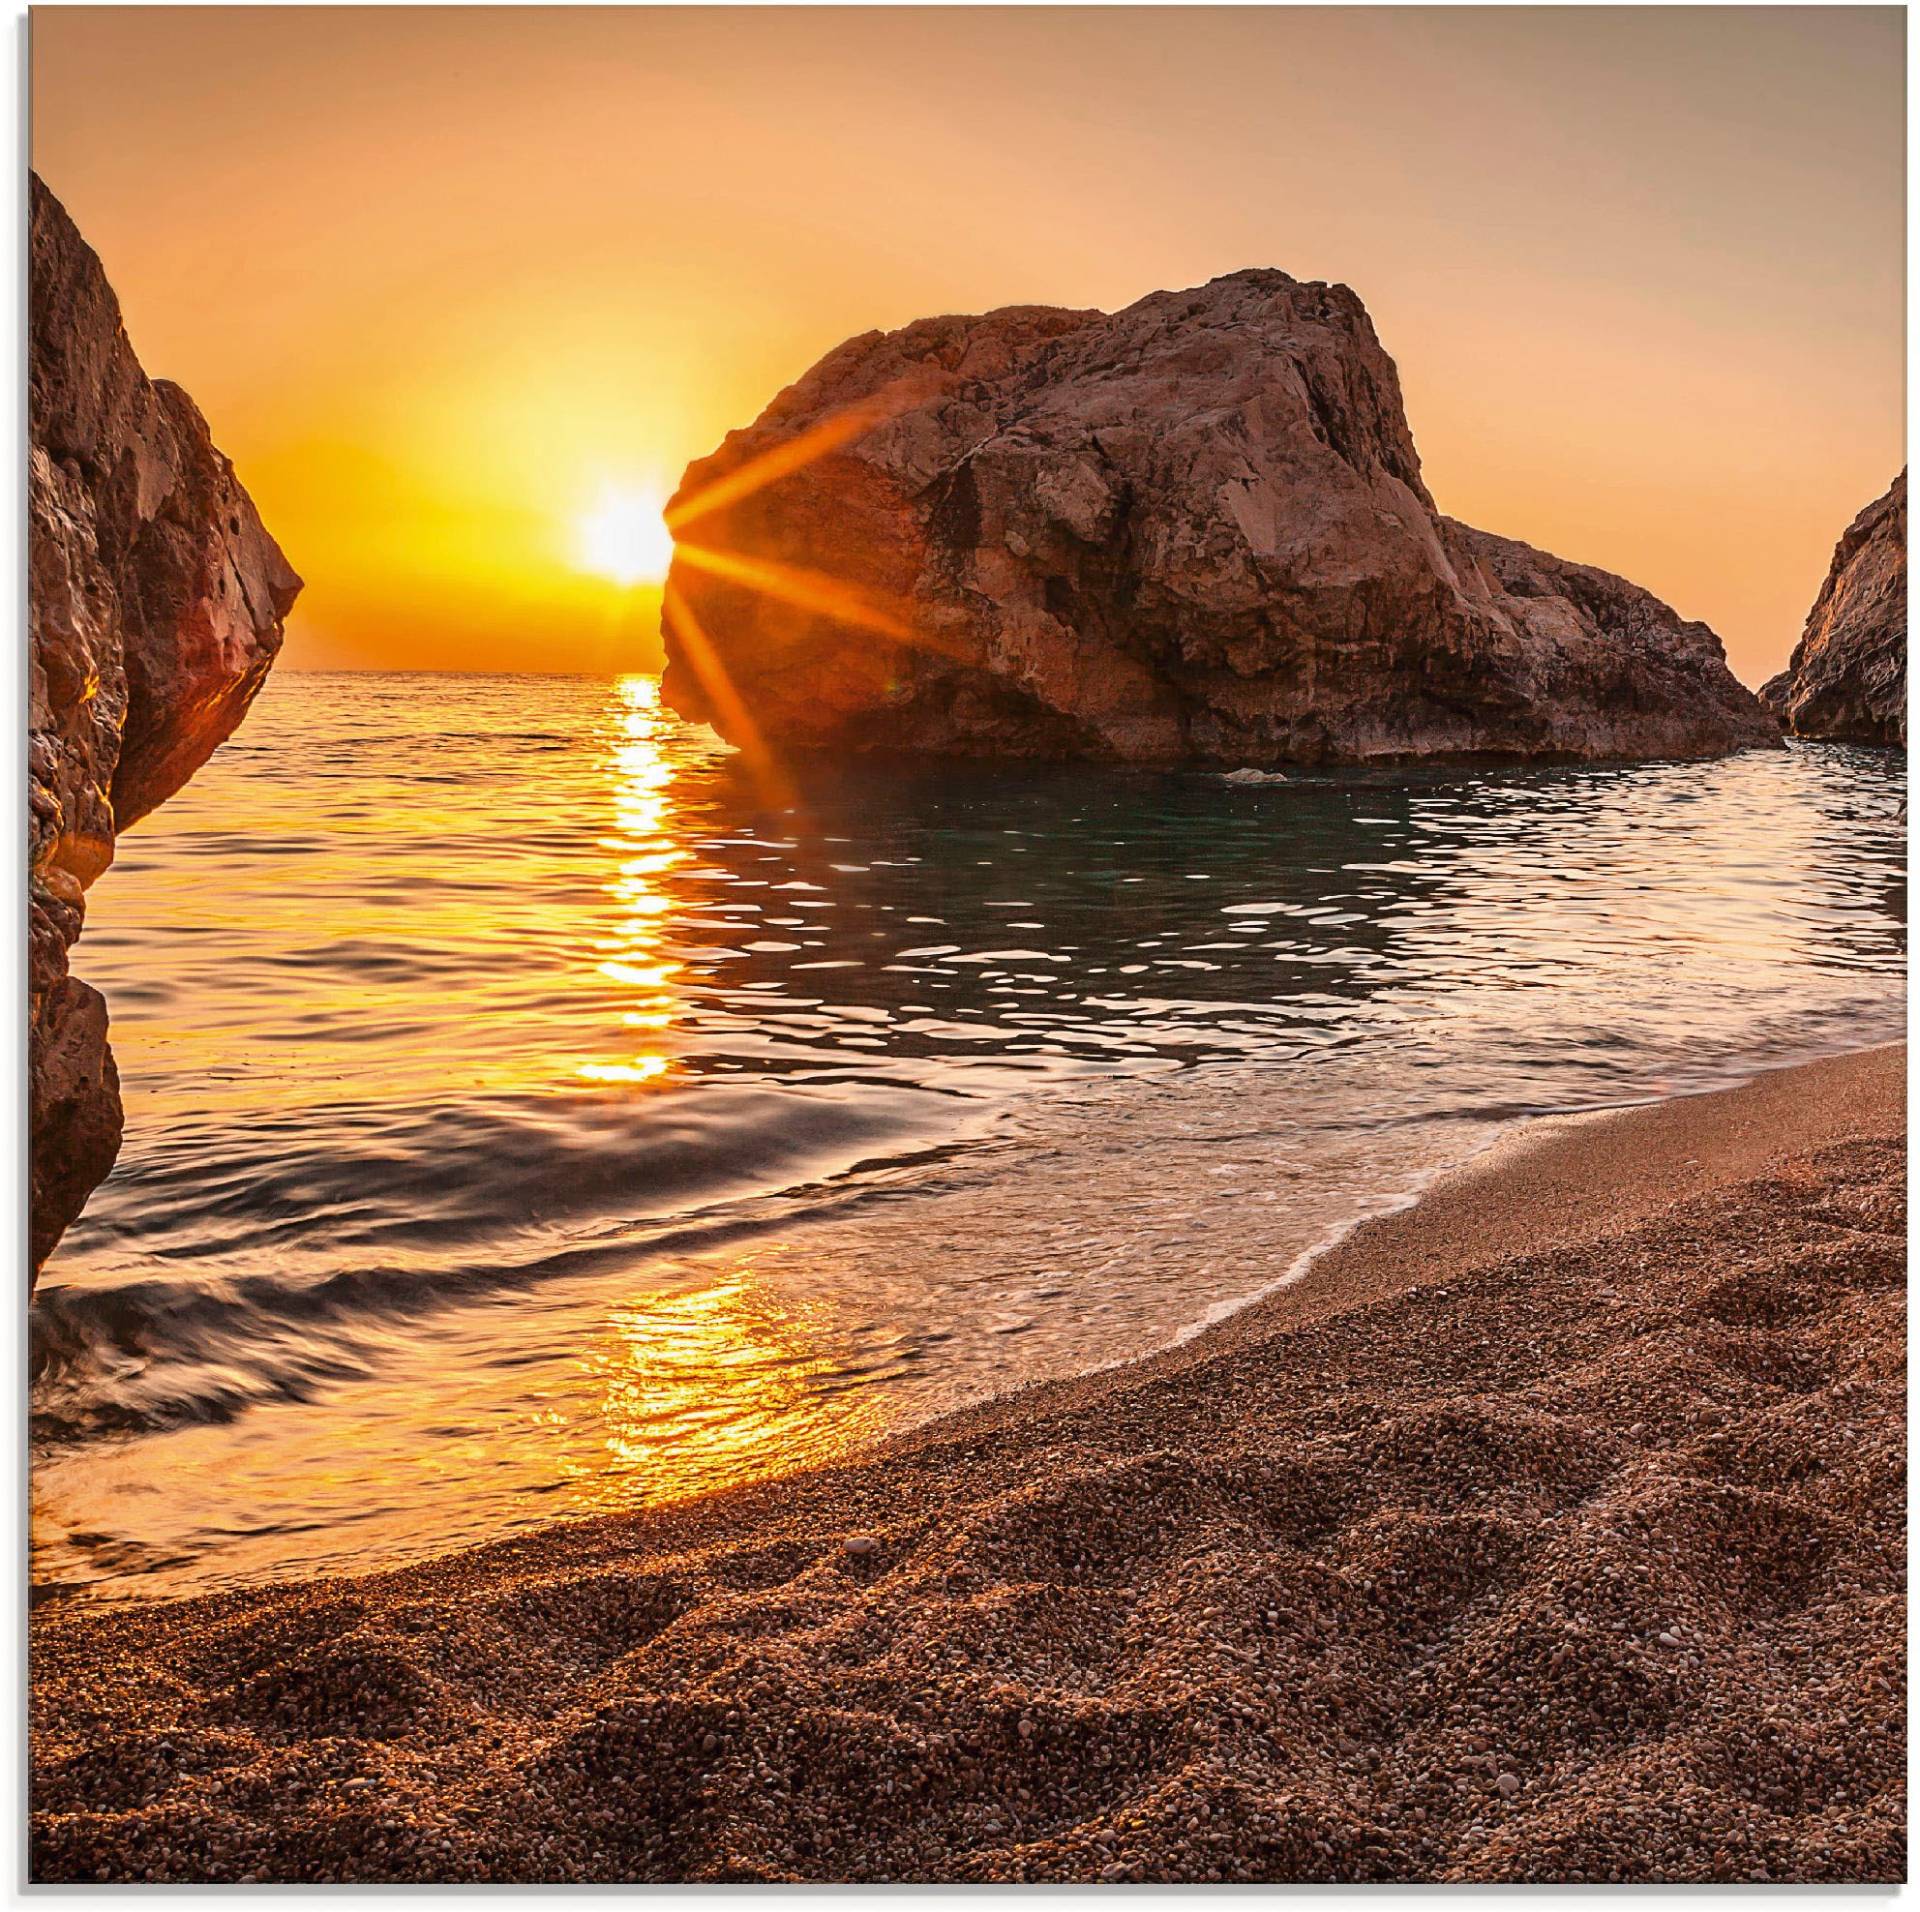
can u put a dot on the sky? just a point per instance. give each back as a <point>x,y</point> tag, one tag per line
<point>453,285</point>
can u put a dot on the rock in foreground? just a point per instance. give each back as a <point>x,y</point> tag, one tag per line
<point>1847,678</point>
<point>156,602</point>
<point>1191,531</point>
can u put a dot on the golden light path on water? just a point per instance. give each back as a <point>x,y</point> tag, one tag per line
<point>707,1385</point>
<point>691,1386</point>
<point>645,856</point>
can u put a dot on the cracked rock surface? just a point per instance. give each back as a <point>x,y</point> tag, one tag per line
<point>1847,679</point>
<point>1193,531</point>
<point>156,605</point>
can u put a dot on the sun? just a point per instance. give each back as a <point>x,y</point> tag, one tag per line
<point>625,536</point>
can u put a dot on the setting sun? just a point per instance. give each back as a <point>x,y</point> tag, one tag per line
<point>625,536</point>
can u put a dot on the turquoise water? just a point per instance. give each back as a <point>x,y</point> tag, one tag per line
<point>530,1113</point>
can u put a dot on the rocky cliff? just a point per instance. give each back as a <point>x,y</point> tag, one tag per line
<point>1191,531</point>
<point>155,606</point>
<point>1847,678</point>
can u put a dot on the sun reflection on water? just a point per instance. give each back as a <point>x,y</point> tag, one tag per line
<point>685,1389</point>
<point>704,1387</point>
<point>635,955</point>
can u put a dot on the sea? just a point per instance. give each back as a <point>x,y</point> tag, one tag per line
<point>536,1110</point>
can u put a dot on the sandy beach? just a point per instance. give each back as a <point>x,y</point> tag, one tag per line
<point>1552,1529</point>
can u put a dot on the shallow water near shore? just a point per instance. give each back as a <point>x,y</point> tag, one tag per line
<point>532,1112</point>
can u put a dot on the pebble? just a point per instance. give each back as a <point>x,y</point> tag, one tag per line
<point>1509,1784</point>
<point>860,1545</point>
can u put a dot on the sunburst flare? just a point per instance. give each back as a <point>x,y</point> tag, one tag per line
<point>780,462</point>
<point>810,590</point>
<point>736,721</point>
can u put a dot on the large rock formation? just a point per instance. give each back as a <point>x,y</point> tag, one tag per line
<point>1191,531</point>
<point>1847,678</point>
<point>155,606</point>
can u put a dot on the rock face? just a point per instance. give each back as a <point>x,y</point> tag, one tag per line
<point>1847,678</point>
<point>1191,531</point>
<point>156,603</point>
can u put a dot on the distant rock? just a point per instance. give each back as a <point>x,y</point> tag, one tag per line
<point>156,602</point>
<point>1847,678</point>
<point>1194,531</point>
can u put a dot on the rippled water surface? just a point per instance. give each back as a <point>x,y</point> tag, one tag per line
<point>531,1113</point>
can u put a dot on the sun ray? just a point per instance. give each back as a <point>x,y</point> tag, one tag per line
<point>810,590</point>
<point>797,453</point>
<point>736,721</point>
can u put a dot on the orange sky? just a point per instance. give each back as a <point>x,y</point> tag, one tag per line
<point>439,277</point>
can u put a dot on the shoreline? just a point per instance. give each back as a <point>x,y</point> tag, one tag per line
<point>1347,1585</point>
<point>1520,1137</point>
<point>1548,1161</point>
<point>1457,1213</point>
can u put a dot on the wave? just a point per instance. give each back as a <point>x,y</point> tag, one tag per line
<point>163,1351</point>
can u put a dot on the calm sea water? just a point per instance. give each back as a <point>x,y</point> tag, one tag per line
<point>532,1112</point>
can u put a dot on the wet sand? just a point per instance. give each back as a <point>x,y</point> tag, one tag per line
<point>1552,1529</point>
